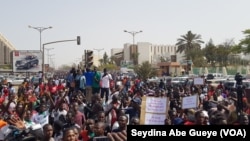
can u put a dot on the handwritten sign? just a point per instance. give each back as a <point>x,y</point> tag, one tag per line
<point>153,110</point>
<point>154,119</point>
<point>156,105</point>
<point>190,102</point>
<point>198,81</point>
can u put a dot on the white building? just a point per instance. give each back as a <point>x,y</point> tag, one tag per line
<point>151,53</point>
<point>116,50</point>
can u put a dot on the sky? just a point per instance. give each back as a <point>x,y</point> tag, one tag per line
<point>101,23</point>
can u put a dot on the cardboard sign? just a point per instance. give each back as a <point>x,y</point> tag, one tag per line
<point>198,81</point>
<point>190,102</point>
<point>154,110</point>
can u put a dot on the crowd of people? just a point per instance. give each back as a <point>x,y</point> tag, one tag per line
<point>90,106</point>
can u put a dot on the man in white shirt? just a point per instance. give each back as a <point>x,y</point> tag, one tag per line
<point>105,79</point>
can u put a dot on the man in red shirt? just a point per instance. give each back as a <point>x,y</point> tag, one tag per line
<point>60,86</point>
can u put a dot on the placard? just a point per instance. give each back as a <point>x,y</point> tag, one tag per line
<point>154,119</point>
<point>198,81</point>
<point>156,105</point>
<point>190,102</point>
<point>154,110</point>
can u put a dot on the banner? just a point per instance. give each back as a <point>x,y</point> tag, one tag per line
<point>27,61</point>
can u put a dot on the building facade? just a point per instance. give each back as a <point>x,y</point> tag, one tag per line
<point>5,51</point>
<point>115,51</point>
<point>151,52</point>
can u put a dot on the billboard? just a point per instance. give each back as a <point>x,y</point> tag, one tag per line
<point>27,61</point>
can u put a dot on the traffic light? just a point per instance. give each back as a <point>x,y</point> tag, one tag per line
<point>89,57</point>
<point>78,40</point>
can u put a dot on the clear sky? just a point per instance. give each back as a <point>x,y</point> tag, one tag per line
<point>100,23</point>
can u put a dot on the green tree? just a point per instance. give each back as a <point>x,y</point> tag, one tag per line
<point>188,42</point>
<point>209,52</point>
<point>108,67</point>
<point>145,71</point>
<point>222,52</point>
<point>105,58</point>
<point>197,57</point>
<point>244,44</point>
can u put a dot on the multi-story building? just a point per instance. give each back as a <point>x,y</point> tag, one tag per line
<point>152,53</point>
<point>5,51</point>
<point>163,57</point>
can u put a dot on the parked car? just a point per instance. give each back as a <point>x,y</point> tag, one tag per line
<point>153,79</point>
<point>215,82</point>
<point>231,84</point>
<point>27,62</point>
<point>214,76</point>
<point>179,80</point>
<point>17,81</point>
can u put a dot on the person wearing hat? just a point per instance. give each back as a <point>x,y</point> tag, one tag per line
<point>178,121</point>
<point>134,109</point>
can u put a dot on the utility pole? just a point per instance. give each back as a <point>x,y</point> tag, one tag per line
<point>48,49</point>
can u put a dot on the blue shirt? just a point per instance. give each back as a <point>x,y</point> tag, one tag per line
<point>89,78</point>
<point>132,112</point>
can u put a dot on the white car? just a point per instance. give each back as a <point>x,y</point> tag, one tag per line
<point>153,79</point>
<point>17,81</point>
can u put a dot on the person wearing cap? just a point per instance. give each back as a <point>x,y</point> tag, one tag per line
<point>134,109</point>
<point>178,121</point>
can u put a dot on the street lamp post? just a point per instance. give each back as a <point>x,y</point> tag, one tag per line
<point>133,33</point>
<point>40,29</point>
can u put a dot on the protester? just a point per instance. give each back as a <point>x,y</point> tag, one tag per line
<point>89,107</point>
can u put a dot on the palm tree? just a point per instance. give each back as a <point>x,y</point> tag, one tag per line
<point>188,42</point>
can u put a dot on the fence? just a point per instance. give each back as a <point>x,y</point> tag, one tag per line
<point>229,70</point>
